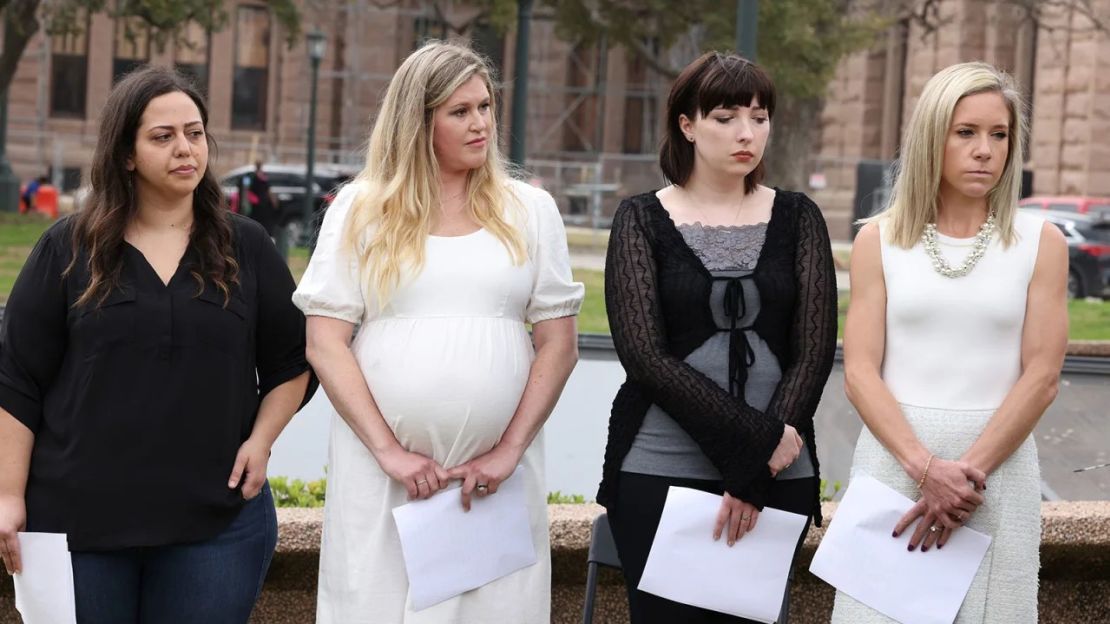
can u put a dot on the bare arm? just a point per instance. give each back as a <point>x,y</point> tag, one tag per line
<point>1044,341</point>
<point>16,441</point>
<point>556,343</point>
<point>946,487</point>
<point>330,355</point>
<point>864,345</point>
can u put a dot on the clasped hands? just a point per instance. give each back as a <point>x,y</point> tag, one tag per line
<point>422,476</point>
<point>950,492</point>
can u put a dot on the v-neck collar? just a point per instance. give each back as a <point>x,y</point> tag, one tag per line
<point>773,222</point>
<point>182,263</point>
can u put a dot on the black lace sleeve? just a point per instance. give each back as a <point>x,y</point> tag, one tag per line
<point>813,334</point>
<point>736,438</point>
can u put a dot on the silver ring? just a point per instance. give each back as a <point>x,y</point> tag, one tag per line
<point>933,529</point>
<point>482,487</point>
<point>421,482</point>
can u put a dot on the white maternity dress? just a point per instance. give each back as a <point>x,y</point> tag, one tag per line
<point>446,362</point>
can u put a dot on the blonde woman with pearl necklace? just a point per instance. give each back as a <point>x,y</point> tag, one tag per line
<point>955,338</point>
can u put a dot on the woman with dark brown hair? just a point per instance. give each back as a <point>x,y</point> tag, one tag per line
<point>150,356</point>
<point>721,297</point>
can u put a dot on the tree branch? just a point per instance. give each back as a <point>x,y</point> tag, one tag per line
<point>20,24</point>
<point>636,45</point>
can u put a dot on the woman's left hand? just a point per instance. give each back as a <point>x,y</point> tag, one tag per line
<point>250,468</point>
<point>933,528</point>
<point>482,475</point>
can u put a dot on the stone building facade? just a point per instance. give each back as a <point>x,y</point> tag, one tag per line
<point>1060,65</point>
<point>592,112</point>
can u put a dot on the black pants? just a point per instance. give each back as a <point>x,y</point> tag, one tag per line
<point>634,518</point>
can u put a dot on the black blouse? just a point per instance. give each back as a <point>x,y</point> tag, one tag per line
<point>139,406</point>
<point>657,296</point>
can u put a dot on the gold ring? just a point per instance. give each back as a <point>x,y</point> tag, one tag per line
<point>481,487</point>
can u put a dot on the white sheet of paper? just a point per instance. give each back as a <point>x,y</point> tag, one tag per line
<point>747,580</point>
<point>449,551</point>
<point>44,588</point>
<point>859,557</point>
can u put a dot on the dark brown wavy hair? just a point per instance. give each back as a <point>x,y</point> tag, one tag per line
<point>713,80</point>
<point>100,226</point>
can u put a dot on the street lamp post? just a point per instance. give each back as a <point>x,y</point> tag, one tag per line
<point>316,43</point>
<point>9,184</point>
<point>747,21</point>
<point>520,83</point>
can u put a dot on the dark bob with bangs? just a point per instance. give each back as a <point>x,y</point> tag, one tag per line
<point>713,80</point>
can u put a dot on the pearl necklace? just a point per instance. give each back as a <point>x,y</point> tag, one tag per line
<point>982,241</point>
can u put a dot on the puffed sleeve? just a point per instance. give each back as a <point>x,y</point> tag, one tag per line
<point>555,294</point>
<point>331,286</point>
<point>33,335</point>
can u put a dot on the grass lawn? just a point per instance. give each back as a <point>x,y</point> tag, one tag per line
<point>18,235</point>
<point>1090,318</point>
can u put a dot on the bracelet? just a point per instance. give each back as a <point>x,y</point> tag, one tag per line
<point>926,472</point>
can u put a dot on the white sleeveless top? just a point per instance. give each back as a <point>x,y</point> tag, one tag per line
<point>956,343</point>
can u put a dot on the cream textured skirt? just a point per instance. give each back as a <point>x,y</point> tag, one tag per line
<point>1004,590</point>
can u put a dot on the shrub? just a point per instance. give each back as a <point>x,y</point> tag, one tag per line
<point>558,498</point>
<point>297,493</point>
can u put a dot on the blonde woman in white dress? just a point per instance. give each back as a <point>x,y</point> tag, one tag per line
<point>955,338</point>
<point>440,260</point>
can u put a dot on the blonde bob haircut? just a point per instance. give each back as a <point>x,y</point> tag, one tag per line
<point>913,202</point>
<point>398,189</point>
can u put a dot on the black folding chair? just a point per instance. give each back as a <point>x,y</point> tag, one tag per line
<point>603,552</point>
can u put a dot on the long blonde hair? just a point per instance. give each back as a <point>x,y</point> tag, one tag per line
<point>914,200</point>
<point>398,189</point>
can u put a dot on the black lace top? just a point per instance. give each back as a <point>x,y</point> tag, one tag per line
<point>657,297</point>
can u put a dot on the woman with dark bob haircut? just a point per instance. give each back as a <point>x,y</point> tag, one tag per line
<point>150,356</point>
<point>721,296</point>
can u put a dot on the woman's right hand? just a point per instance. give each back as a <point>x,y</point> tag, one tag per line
<point>420,475</point>
<point>790,446</point>
<point>13,519</point>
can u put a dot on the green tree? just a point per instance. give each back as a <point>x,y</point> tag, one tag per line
<point>800,43</point>
<point>166,18</point>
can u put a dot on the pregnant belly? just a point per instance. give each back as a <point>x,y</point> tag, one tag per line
<point>446,393</point>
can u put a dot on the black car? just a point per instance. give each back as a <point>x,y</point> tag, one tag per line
<point>287,185</point>
<point>1088,237</point>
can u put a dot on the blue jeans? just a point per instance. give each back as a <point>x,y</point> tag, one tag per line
<point>215,581</point>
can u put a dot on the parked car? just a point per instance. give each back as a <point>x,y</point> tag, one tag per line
<point>1088,237</point>
<point>287,185</point>
<point>1066,203</point>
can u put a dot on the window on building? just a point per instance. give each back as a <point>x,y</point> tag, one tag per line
<point>132,46</point>
<point>69,70</point>
<point>191,55</point>
<point>580,127</point>
<point>641,107</point>
<point>490,44</point>
<point>425,28</point>
<point>252,68</point>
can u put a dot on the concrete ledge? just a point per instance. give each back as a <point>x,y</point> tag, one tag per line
<point>1089,348</point>
<point>1075,569</point>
